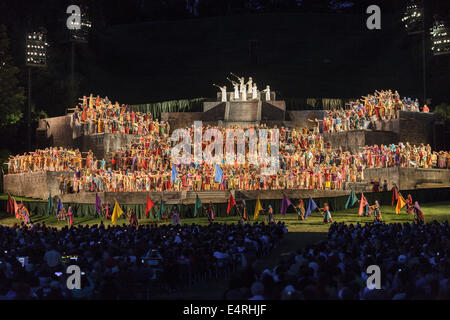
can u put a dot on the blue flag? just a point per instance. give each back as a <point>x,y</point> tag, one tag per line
<point>310,207</point>
<point>174,173</point>
<point>218,176</point>
<point>59,207</point>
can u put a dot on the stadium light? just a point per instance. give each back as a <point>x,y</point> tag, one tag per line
<point>440,38</point>
<point>36,49</point>
<point>413,18</point>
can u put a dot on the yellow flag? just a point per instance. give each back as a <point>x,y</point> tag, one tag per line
<point>117,212</point>
<point>400,204</point>
<point>258,208</point>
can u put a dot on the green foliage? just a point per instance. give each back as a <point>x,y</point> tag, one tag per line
<point>4,156</point>
<point>12,95</point>
<point>444,110</point>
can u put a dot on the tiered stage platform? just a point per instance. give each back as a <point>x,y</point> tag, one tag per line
<point>40,185</point>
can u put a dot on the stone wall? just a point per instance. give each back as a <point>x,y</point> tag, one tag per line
<point>300,118</point>
<point>102,144</point>
<point>353,140</point>
<point>36,185</point>
<point>410,178</point>
<point>57,132</point>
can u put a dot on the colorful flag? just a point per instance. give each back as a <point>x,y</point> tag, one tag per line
<point>149,206</point>
<point>16,209</point>
<point>258,208</point>
<point>117,212</point>
<point>9,205</point>
<point>310,207</point>
<point>218,174</point>
<point>400,203</point>
<point>98,204</point>
<point>352,199</point>
<point>59,207</point>
<point>285,203</point>
<point>198,205</point>
<point>363,203</point>
<point>394,196</point>
<point>174,173</point>
<point>231,204</point>
<point>162,209</point>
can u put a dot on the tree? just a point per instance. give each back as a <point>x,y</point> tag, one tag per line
<point>12,95</point>
<point>444,110</point>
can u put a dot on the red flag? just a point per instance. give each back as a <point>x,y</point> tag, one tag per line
<point>16,209</point>
<point>362,204</point>
<point>9,205</point>
<point>394,196</point>
<point>231,203</point>
<point>149,206</point>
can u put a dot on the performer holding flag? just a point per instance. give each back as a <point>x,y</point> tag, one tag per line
<point>210,211</point>
<point>70,221</point>
<point>326,213</point>
<point>418,214</point>
<point>300,210</point>
<point>376,209</point>
<point>243,211</point>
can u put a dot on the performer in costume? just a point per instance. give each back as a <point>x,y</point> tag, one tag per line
<point>300,210</point>
<point>70,221</point>
<point>376,211</point>
<point>326,213</point>
<point>270,217</point>
<point>409,205</point>
<point>418,214</point>
<point>210,212</point>
<point>243,211</point>
<point>175,216</point>
<point>132,218</point>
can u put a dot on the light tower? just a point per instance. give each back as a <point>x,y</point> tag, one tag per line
<point>78,34</point>
<point>414,21</point>
<point>35,57</point>
<point>440,38</point>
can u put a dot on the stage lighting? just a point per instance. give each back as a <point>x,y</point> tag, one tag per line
<point>413,18</point>
<point>440,38</point>
<point>36,49</point>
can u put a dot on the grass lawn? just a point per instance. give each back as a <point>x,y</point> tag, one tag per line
<point>314,223</point>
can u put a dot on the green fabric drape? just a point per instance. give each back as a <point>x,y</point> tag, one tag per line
<point>156,108</point>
